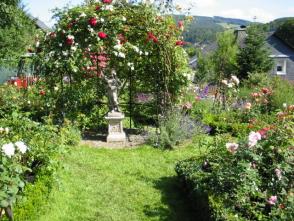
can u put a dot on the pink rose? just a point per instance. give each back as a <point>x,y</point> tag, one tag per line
<point>272,200</point>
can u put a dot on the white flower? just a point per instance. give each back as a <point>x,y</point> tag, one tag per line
<point>37,44</point>
<point>65,53</point>
<point>8,149</point>
<point>82,15</point>
<point>146,53</point>
<point>117,47</point>
<point>6,130</point>
<point>225,82</point>
<point>1,129</point>
<point>232,147</point>
<point>102,20</point>
<point>124,18</point>
<point>73,48</point>
<point>21,146</point>
<point>230,85</point>
<point>60,44</point>
<point>284,105</point>
<point>136,49</point>
<point>107,7</point>
<point>56,88</point>
<point>121,55</point>
<point>253,138</point>
<point>71,37</point>
<point>131,65</point>
<point>91,29</point>
<point>235,79</point>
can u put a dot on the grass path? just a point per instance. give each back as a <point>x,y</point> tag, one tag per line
<point>119,185</point>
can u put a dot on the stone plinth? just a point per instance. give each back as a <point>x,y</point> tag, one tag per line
<point>116,135</point>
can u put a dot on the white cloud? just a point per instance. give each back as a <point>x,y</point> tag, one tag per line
<point>249,14</point>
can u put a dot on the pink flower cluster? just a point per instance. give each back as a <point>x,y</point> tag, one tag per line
<point>253,138</point>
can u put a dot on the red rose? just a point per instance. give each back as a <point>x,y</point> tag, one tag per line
<point>180,43</point>
<point>92,21</point>
<point>69,40</point>
<point>102,35</point>
<point>152,37</point>
<point>107,1</point>
<point>42,92</point>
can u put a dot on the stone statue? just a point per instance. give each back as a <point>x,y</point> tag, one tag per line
<point>112,90</point>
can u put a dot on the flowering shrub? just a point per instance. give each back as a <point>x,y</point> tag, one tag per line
<point>248,180</point>
<point>28,150</point>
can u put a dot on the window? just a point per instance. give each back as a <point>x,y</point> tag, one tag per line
<point>281,67</point>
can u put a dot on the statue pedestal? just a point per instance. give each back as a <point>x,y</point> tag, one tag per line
<point>116,135</point>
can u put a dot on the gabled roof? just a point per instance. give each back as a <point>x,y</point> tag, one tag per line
<point>278,47</point>
<point>41,25</point>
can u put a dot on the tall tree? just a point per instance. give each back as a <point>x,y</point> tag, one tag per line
<point>254,57</point>
<point>16,30</point>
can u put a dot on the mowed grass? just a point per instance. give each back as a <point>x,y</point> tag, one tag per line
<point>121,185</point>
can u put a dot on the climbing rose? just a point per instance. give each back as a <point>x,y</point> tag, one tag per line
<point>70,40</point>
<point>92,21</point>
<point>272,200</point>
<point>107,1</point>
<point>102,35</point>
<point>152,37</point>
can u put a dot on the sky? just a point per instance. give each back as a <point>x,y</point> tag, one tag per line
<point>264,10</point>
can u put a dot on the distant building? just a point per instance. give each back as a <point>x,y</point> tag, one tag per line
<point>281,52</point>
<point>39,24</point>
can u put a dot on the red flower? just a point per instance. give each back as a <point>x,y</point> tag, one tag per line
<point>180,43</point>
<point>263,132</point>
<point>69,40</point>
<point>93,21</point>
<point>52,35</point>
<point>265,90</point>
<point>181,25</point>
<point>152,37</point>
<point>97,8</point>
<point>102,35</point>
<point>107,1</point>
<point>42,92</point>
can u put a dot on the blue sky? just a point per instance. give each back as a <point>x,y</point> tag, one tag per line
<point>264,10</point>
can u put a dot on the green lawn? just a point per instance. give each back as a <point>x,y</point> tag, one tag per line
<point>123,185</point>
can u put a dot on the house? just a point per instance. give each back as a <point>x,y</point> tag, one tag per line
<point>39,24</point>
<point>282,53</point>
<point>283,56</point>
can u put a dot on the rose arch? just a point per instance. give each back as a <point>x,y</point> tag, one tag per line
<point>130,48</point>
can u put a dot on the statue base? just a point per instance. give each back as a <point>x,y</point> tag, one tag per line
<point>116,135</point>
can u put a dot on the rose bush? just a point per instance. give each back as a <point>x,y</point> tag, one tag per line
<point>247,180</point>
